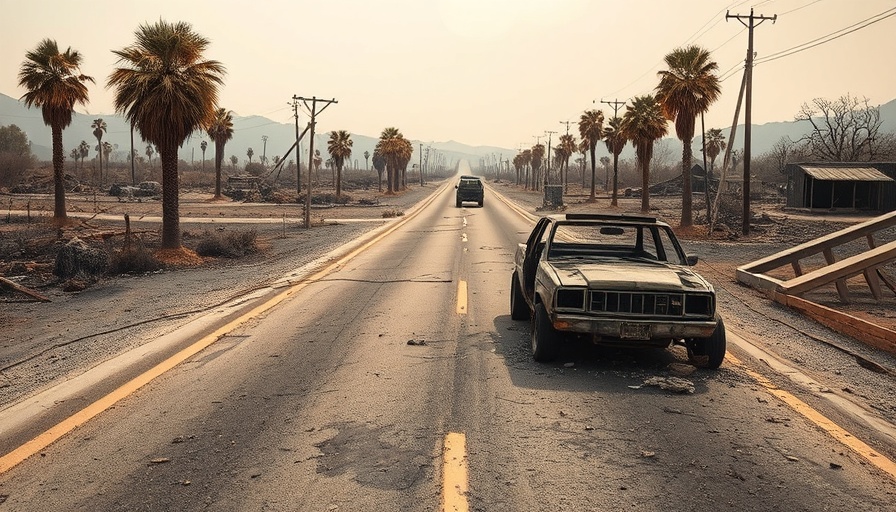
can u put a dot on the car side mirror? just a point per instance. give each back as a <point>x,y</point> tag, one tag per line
<point>691,259</point>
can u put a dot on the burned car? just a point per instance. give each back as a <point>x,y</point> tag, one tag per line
<point>617,280</point>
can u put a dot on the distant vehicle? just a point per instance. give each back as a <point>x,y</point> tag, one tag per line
<point>470,189</point>
<point>617,280</point>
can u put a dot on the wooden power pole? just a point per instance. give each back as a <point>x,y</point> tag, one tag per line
<point>751,23</point>
<point>314,112</point>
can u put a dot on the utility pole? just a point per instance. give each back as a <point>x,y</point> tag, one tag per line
<point>548,170</point>
<point>295,113</point>
<point>752,22</point>
<point>264,150</point>
<point>567,123</point>
<point>313,108</point>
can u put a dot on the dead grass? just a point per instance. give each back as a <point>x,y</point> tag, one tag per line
<point>180,257</point>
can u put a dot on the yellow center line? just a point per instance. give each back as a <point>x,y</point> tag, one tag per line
<point>461,297</point>
<point>454,474</point>
<point>838,433</point>
<point>65,426</point>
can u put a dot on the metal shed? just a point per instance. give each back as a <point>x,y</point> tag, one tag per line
<point>843,186</point>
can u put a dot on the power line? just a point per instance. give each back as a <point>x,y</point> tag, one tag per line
<point>829,37</point>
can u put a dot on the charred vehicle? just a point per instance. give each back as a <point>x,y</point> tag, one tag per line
<point>616,280</point>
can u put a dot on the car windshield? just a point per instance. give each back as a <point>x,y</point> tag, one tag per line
<point>601,240</point>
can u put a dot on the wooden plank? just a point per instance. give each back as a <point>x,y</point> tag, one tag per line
<point>842,290</point>
<point>842,269</point>
<point>872,335</point>
<point>816,246</point>
<point>21,289</point>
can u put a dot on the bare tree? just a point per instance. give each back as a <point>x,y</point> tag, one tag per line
<point>843,130</point>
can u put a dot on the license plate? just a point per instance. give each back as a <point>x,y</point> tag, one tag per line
<point>634,331</point>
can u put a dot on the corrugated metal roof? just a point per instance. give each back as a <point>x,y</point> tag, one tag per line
<point>846,173</point>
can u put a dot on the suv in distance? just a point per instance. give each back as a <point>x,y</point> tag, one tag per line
<point>615,280</point>
<point>469,188</point>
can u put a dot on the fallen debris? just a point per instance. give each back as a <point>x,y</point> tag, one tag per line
<point>674,384</point>
<point>21,289</point>
<point>417,342</point>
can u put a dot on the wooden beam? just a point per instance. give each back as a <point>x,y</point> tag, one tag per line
<point>21,289</point>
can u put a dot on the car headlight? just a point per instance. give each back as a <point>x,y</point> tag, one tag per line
<point>571,298</point>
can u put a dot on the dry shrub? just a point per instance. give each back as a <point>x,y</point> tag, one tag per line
<point>77,257</point>
<point>392,212</point>
<point>134,258</point>
<point>228,244</point>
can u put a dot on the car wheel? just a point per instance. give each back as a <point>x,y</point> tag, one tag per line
<point>544,338</point>
<point>519,310</point>
<point>480,203</point>
<point>708,352</point>
<point>457,203</point>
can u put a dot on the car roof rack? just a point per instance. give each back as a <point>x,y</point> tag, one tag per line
<point>601,216</point>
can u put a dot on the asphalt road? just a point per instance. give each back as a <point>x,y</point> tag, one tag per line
<point>397,381</point>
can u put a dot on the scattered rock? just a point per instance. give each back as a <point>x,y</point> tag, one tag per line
<point>161,460</point>
<point>417,343</point>
<point>569,365</point>
<point>681,370</point>
<point>673,384</point>
<point>834,465</point>
<point>648,455</point>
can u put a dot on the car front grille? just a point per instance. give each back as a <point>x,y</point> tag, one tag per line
<point>650,304</point>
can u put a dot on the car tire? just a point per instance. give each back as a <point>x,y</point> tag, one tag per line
<point>519,310</point>
<point>708,352</point>
<point>457,203</point>
<point>544,338</point>
<point>480,203</point>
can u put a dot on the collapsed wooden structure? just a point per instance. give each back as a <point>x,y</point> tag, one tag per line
<point>868,263</point>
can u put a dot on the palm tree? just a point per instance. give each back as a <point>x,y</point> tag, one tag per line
<point>55,85</point>
<point>567,147</point>
<point>149,152</point>
<point>379,163</point>
<point>605,161</point>
<point>75,155</point>
<point>391,148</point>
<point>167,91</point>
<point>366,162</point>
<point>250,153</point>
<point>107,152</point>
<point>233,161</point>
<point>202,147</point>
<point>340,147</point>
<point>685,90</point>
<point>83,150</point>
<point>615,141</point>
<point>715,144</point>
<point>220,131</point>
<point>99,127</point>
<point>527,162</point>
<point>535,163</point>
<point>643,124</point>
<point>591,130</point>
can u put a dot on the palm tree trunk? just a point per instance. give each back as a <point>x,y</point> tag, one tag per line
<point>687,202</point>
<point>338,181</point>
<point>58,175</point>
<point>615,200</point>
<point>219,158</point>
<point>170,200</point>
<point>593,196</point>
<point>645,186</point>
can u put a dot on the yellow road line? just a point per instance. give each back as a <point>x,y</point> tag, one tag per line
<point>461,297</point>
<point>454,474</point>
<point>65,426</point>
<point>877,459</point>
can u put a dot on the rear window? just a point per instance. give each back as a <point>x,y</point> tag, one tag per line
<point>470,184</point>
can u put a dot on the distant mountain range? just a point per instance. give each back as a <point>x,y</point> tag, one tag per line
<point>248,132</point>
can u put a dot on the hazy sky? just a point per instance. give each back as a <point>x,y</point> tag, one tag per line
<point>481,72</point>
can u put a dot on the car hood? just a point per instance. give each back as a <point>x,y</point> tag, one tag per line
<point>630,275</point>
